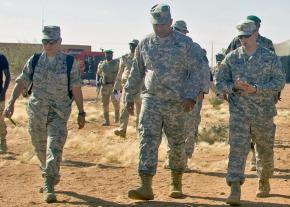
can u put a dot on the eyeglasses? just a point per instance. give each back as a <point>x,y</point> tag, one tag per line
<point>244,36</point>
<point>51,42</point>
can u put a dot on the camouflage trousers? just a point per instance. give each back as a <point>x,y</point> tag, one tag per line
<point>262,132</point>
<point>48,136</point>
<point>124,115</point>
<point>107,93</point>
<point>3,130</point>
<point>156,115</point>
<point>193,119</point>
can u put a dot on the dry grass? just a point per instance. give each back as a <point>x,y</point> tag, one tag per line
<point>106,148</point>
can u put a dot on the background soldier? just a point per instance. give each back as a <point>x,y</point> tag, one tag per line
<point>4,69</point>
<point>122,77</point>
<point>49,105</point>
<point>169,63</point>
<point>180,26</point>
<point>219,58</point>
<point>250,75</point>
<point>264,42</point>
<point>107,71</point>
<point>193,118</point>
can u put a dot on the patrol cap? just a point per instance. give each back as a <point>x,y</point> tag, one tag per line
<point>51,33</point>
<point>180,25</point>
<point>160,14</point>
<point>134,42</point>
<point>247,27</point>
<point>254,18</point>
<point>108,51</point>
<point>219,57</point>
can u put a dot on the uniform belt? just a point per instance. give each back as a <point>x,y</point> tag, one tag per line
<point>107,83</point>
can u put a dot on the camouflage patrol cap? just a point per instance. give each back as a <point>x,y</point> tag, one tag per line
<point>180,25</point>
<point>246,27</point>
<point>160,14</point>
<point>134,42</point>
<point>219,57</point>
<point>108,51</point>
<point>254,18</point>
<point>51,33</point>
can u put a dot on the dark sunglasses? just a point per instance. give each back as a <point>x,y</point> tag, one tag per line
<point>244,36</point>
<point>51,42</point>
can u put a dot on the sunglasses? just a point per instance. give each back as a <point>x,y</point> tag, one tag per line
<point>51,42</point>
<point>244,36</point>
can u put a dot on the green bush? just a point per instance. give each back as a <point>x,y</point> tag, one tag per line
<point>215,133</point>
<point>215,102</point>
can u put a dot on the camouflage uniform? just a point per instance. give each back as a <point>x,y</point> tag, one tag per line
<point>194,118</point>
<point>170,67</point>
<point>251,115</point>
<point>108,71</point>
<point>49,108</point>
<point>121,79</point>
<point>191,128</point>
<point>263,42</point>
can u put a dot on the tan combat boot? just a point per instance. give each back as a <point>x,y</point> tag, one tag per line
<point>144,192</point>
<point>48,190</point>
<point>235,195</point>
<point>263,189</point>
<point>176,185</point>
<point>3,146</point>
<point>120,132</point>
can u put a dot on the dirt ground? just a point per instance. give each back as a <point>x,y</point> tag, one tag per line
<point>98,168</point>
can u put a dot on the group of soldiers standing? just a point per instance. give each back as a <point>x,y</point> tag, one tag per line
<point>169,72</point>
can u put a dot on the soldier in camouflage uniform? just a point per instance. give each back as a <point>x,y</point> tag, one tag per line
<point>250,75</point>
<point>264,42</point>
<point>122,77</point>
<point>4,69</point>
<point>49,105</point>
<point>219,58</point>
<point>169,64</point>
<point>106,73</point>
<point>193,118</point>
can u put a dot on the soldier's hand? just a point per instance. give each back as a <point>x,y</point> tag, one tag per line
<point>130,108</point>
<point>9,110</point>
<point>250,89</point>
<point>81,119</point>
<point>241,85</point>
<point>188,105</point>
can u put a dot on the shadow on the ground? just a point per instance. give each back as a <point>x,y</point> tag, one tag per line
<point>223,174</point>
<point>80,164</point>
<point>85,200</point>
<point>245,202</point>
<point>74,163</point>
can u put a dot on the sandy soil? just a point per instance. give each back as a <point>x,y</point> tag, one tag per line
<point>99,168</point>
